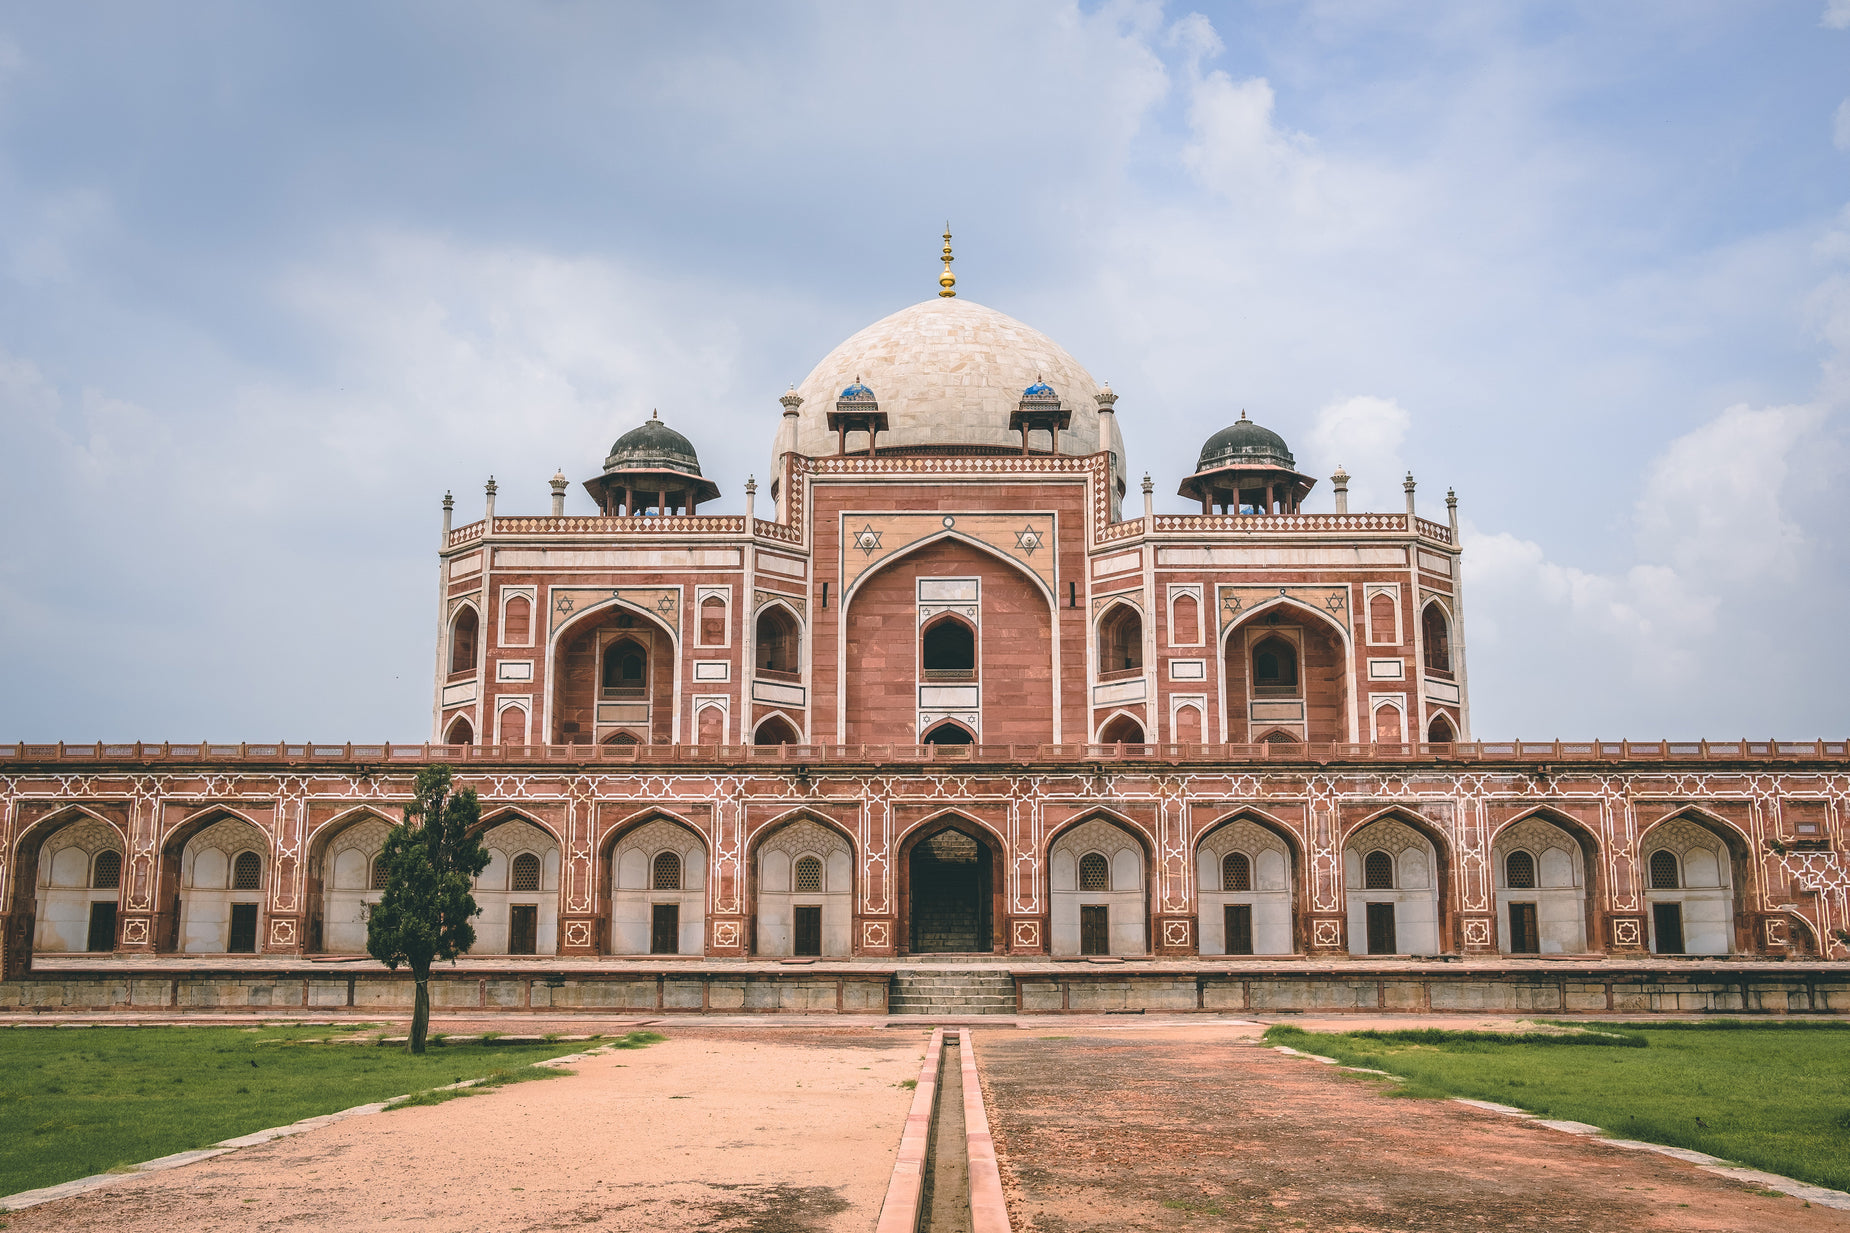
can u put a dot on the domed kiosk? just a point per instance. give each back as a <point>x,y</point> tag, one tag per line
<point>651,467</point>
<point>1245,468</point>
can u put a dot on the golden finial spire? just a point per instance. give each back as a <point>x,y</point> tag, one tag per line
<point>947,280</point>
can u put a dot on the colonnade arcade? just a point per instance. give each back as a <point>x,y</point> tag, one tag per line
<point>1097,882</point>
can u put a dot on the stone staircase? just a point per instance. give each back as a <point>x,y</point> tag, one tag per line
<point>951,992</point>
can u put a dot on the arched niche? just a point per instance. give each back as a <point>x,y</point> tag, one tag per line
<point>1245,866</point>
<point>803,873</point>
<point>1123,729</point>
<point>1120,641</point>
<point>1098,893</point>
<point>613,669</point>
<point>344,864</point>
<point>1394,879</point>
<point>221,903</point>
<point>1287,671</point>
<point>951,894</point>
<point>776,730</point>
<point>1010,612</point>
<point>1543,875</point>
<point>518,891</point>
<point>1698,911</point>
<point>79,881</point>
<point>658,890</point>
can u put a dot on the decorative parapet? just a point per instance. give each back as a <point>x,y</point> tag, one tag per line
<point>1530,752</point>
<point>670,524</point>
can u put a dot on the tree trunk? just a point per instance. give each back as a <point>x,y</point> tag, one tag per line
<point>420,1009</point>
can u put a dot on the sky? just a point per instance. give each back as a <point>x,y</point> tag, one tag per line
<point>273,278</point>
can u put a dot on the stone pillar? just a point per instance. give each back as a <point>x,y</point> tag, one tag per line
<point>449,507</point>
<point>1339,485</point>
<point>488,518</point>
<point>559,485</point>
<point>751,499</point>
<point>1408,486</point>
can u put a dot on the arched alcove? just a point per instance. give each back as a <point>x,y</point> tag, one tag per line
<point>1246,878</point>
<point>1094,915</point>
<point>804,875</point>
<point>658,892</point>
<point>1393,876</point>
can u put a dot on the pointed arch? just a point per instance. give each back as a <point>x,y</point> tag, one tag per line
<point>954,536</point>
<point>933,896</point>
<point>777,905</point>
<point>947,732</point>
<point>62,919</point>
<point>664,674</point>
<point>1270,922</point>
<point>1411,903</point>
<point>778,640</point>
<point>1123,909</point>
<point>1344,676</point>
<point>1710,918</point>
<point>464,634</point>
<point>777,728</point>
<point>1118,637</point>
<point>460,731</point>
<point>1122,727</point>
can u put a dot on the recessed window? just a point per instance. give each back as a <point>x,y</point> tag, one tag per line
<point>107,872</point>
<point>1437,638</point>
<point>1519,871</point>
<point>1094,872</point>
<point>1378,871</point>
<point>380,874</point>
<point>778,641</point>
<point>247,871</point>
<point>1120,640</point>
<point>1381,618</point>
<point>665,873</point>
<point>525,873</point>
<point>1664,872</point>
<point>1236,872</point>
<point>809,874</point>
<point>1275,666</point>
<point>625,670</point>
<point>1184,621</point>
<point>947,651</point>
<point>463,633</point>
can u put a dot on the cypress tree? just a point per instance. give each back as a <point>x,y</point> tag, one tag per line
<point>431,860</point>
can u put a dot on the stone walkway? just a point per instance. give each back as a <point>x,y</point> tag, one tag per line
<point>1201,1128</point>
<point>773,1132</point>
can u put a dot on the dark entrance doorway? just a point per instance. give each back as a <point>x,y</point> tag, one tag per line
<point>665,929</point>
<point>1239,928</point>
<point>809,928</point>
<point>243,929</point>
<point>1094,929</point>
<point>1381,939</point>
<point>103,927</point>
<point>1525,936</point>
<point>1668,921</point>
<point>523,929</point>
<point>949,883</point>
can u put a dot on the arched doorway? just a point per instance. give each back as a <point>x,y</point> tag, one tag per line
<point>777,731</point>
<point>805,891</point>
<point>1693,877</point>
<point>950,894</point>
<point>518,891</point>
<point>1246,878</point>
<point>1287,670</point>
<point>1097,891</point>
<point>1121,730</point>
<point>658,896</point>
<point>1542,877</point>
<point>346,866</point>
<point>949,733</point>
<point>1393,876</point>
<point>79,883</point>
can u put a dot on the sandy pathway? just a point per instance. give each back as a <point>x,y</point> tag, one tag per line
<point>1201,1128</point>
<point>772,1132</point>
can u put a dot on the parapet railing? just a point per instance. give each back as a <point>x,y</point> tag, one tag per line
<point>808,755</point>
<point>1280,524</point>
<point>597,524</point>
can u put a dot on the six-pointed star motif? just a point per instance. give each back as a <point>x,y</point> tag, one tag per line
<point>1028,539</point>
<point>867,539</point>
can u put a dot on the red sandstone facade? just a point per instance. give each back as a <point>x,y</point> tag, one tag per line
<point>949,699</point>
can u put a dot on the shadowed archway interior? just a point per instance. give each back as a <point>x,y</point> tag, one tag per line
<point>949,876</point>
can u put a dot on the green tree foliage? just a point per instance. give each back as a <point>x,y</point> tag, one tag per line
<point>431,860</point>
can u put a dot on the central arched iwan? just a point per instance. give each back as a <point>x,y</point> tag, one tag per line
<point>1014,639</point>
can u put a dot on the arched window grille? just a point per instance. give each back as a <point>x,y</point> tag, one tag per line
<point>1664,872</point>
<point>809,874</point>
<point>1378,871</point>
<point>526,873</point>
<point>1236,872</point>
<point>1094,872</point>
<point>1519,871</point>
<point>665,874</point>
<point>379,875</point>
<point>247,871</point>
<point>106,874</point>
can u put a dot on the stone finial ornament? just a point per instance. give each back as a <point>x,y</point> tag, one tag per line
<point>947,280</point>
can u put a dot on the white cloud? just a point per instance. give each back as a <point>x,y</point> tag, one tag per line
<point>1364,435</point>
<point>1836,15</point>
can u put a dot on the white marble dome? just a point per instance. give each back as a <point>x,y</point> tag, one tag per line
<point>949,371</point>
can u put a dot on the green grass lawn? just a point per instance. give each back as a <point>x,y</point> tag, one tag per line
<point>1775,1096</point>
<point>77,1101</point>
